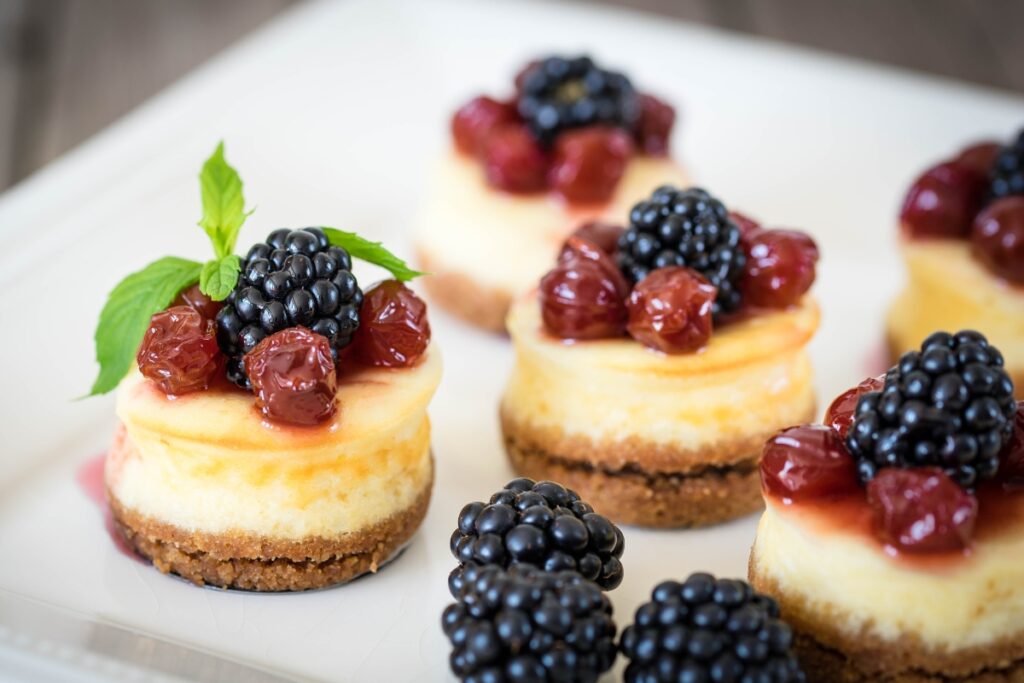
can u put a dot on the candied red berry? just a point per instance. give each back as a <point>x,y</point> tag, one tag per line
<point>780,267</point>
<point>179,351</point>
<point>604,235</point>
<point>475,120</point>
<point>589,162</point>
<point>292,374</point>
<point>997,238</point>
<point>583,297</point>
<point>513,160</point>
<point>943,201</point>
<point>393,327</point>
<point>654,128</point>
<point>193,297</point>
<point>840,414</point>
<point>921,509</point>
<point>1011,469</point>
<point>979,157</point>
<point>747,225</point>
<point>806,462</point>
<point>670,310</point>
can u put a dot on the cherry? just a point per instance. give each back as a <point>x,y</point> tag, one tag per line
<point>654,128</point>
<point>921,509</point>
<point>393,327</point>
<point>670,310</point>
<point>1011,470</point>
<point>293,377</point>
<point>979,157</point>
<point>207,307</point>
<point>583,296</point>
<point>807,462</point>
<point>747,225</point>
<point>513,160</point>
<point>604,235</point>
<point>579,247</point>
<point>997,238</point>
<point>780,267</point>
<point>589,162</point>
<point>943,201</point>
<point>179,351</point>
<point>475,120</point>
<point>840,414</point>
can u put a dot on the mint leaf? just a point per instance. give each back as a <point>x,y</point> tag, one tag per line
<point>371,252</point>
<point>219,277</point>
<point>223,203</point>
<point>126,315</point>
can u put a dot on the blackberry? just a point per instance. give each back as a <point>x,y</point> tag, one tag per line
<point>1006,177</point>
<point>294,278</point>
<point>557,94</point>
<point>524,624</point>
<point>685,228</point>
<point>541,524</point>
<point>708,629</point>
<point>948,405</point>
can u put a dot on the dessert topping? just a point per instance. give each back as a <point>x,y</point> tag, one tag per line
<point>670,310</point>
<point>943,201</point>
<point>193,296</point>
<point>997,238</point>
<point>394,331</point>
<point>1011,472</point>
<point>477,119</point>
<point>583,297</point>
<point>922,510</point>
<point>588,163</point>
<point>780,267</point>
<point>654,128</point>
<point>979,157</point>
<point>514,161</point>
<point>293,377</point>
<point>1007,172</point>
<point>179,351</point>
<point>604,235</point>
<point>840,414</point>
<point>807,462</point>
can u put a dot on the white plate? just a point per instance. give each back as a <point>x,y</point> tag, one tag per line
<point>332,114</point>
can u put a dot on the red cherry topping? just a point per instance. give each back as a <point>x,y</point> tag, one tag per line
<point>589,163</point>
<point>393,327</point>
<point>654,128</point>
<point>207,307</point>
<point>807,462</point>
<point>513,161</point>
<point>604,235</point>
<point>292,375</point>
<point>670,310</point>
<point>943,201</point>
<point>179,351</point>
<point>921,509</point>
<point>747,225</point>
<point>476,119</point>
<point>780,267</point>
<point>979,157</point>
<point>839,415</point>
<point>581,298</point>
<point>1011,471</point>
<point>997,238</point>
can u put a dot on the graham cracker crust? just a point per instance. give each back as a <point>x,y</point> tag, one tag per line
<point>247,561</point>
<point>830,656</point>
<point>464,297</point>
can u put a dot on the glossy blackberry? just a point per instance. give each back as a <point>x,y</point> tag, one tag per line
<point>708,629</point>
<point>294,278</point>
<point>557,94</point>
<point>948,405</point>
<point>523,624</point>
<point>685,228</point>
<point>1007,174</point>
<point>541,524</point>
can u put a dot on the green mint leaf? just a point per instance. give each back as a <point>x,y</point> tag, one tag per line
<point>219,277</point>
<point>223,202</point>
<point>126,315</point>
<point>371,252</point>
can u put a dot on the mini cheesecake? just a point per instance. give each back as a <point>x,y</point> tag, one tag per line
<point>209,489</point>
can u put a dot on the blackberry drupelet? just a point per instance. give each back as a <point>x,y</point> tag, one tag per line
<point>949,405</point>
<point>294,278</point>
<point>708,629</point>
<point>557,94</point>
<point>523,624</point>
<point>1006,176</point>
<point>541,524</point>
<point>685,228</point>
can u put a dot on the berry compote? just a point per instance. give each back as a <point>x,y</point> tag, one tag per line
<point>394,331</point>
<point>293,376</point>
<point>179,351</point>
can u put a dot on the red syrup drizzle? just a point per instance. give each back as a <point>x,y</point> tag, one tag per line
<point>90,480</point>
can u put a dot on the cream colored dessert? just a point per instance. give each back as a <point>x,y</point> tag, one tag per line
<point>650,438</point>
<point>948,289</point>
<point>484,246</point>
<point>208,489</point>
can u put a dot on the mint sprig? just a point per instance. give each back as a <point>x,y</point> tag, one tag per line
<point>371,252</point>
<point>219,276</point>
<point>223,215</point>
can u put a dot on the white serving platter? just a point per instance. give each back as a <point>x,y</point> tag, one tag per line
<point>333,113</point>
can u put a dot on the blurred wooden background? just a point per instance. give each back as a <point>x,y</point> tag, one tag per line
<point>70,67</point>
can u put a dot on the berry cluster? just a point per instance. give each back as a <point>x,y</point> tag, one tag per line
<point>709,630</point>
<point>1006,176</point>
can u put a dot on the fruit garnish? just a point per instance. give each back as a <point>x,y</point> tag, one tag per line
<point>194,297</point>
<point>513,161</point>
<point>780,267</point>
<point>293,377</point>
<point>583,297</point>
<point>840,414</point>
<point>979,157</point>
<point>604,235</point>
<point>670,310</point>
<point>588,163</point>
<point>747,225</point>
<point>394,330</point>
<point>997,238</point>
<point>807,462</point>
<point>1011,471</point>
<point>922,510</point>
<point>943,201</point>
<point>179,351</point>
<point>1006,177</point>
<point>654,126</point>
<point>476,119</point>
<point>949,405</point>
